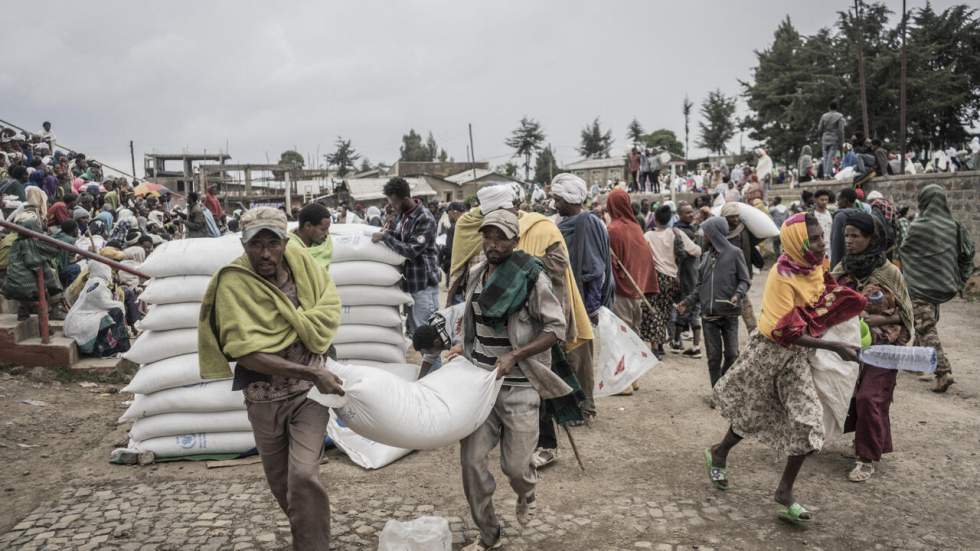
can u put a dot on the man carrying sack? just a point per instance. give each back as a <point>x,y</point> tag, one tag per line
<point>274,311</point>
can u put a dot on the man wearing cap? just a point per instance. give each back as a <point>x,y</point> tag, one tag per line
<point>511,321</point>
<point>274,311</point>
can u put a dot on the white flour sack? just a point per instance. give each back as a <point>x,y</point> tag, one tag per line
<point>170,290</point>
<point>357,245</point>
<point>363,452</point>
<point>369,334</point>
<point>172,372</point>
<point>367,295</point>
<point>196,444</point>
<point>359,272</point>
<point>382,316</point>
<point>384,353</point>
<point>199,398</point>
<point>436,411</point>
<point>171,424</point>
<point>620,355</point>
<point>153,346</point>
<point>164,317</point>
<point>197,256</point>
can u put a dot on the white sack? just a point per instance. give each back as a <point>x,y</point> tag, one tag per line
<point>620,355</point>
<point>203,397</point>
<point>438,410</point>
<point>172,372</point>
<point>153,346</point>
<point>171,290</point>
<point>366,295</point>
<point>171,424</point>
<point>846,175</point>
<point>196,256</point>
<point>385,353</point>
<point>358,246</point>
<point>758,222</point>
<point>835,378</point>
<point>164,317</point>
<point>382,316</point>
<point>363,452</point>
<point>347,334</point>
<point>196,444</point>
<point>360,272</point>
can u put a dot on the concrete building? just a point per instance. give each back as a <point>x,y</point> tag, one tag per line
<point>460,186</point>
<point>159,168</point>
<point>599,171</point>
<point>370,191</point>
<point>433,168</point>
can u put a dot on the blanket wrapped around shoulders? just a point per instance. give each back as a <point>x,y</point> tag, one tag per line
<point>244,313</point>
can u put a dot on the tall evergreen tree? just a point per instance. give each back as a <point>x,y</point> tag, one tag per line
<point>431,148</point>
<point>343,157</point>
<point>595,143</point>
<point>412,148</point>
<point>634,131</point>
<point>718,126</point>
<point>545,166</point>
<point>526,140</point>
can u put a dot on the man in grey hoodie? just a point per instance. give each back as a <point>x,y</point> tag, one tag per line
<point>831,131</point>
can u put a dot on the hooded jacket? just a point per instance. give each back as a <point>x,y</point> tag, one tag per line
<point>722,273</point>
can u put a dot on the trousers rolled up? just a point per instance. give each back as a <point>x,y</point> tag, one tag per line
<point>513,423</point>
<point>289,438</point>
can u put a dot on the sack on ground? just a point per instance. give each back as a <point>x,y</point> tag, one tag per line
<point>620,355</point>
<point>170,290</point>
<point>195,256</point>
<point>164,317</point>
<point>172,372</point>
<point>171,424</point>
<point>196,444</point>
<point>360,272</point>
<point>203,397</point>
<point>154,346</point>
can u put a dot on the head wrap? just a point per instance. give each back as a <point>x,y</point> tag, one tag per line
<point>875,195</point>
<point>78,213</point>
<point>860,220</point>
<point>501,196</point>
<point>797,258</point>
<point>632,251</point>
<point>730,209</point>
<point>863,264</point>
<point>569,187</point>
<point>38,199</point>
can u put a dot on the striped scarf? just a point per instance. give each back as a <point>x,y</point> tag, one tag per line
<point>931,254</point>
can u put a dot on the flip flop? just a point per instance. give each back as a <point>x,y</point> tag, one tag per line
<point>717,475</point>
<point>794,514</point>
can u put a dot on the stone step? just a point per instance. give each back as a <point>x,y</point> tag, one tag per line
<point>7,306</point>
<point>104,369</point>
<point>13,331</point>
<point>59,352</point>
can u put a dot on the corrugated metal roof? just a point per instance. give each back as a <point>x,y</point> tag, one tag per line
<point>461,178</point>
<point>584,164</point>
<point>369,189</point>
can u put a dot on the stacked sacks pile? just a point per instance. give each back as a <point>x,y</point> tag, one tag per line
<point>368,277</point>
<point>175,412</point>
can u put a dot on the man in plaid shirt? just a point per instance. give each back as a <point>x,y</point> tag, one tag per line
<point>414,237</point>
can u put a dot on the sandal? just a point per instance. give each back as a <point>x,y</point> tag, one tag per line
<point>717,475</point>
<point>862,472</point>
<point>796,514</point>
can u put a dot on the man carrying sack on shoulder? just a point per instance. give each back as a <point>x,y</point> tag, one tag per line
<point>274,311</point>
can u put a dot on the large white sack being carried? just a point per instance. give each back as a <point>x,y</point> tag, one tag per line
<point>358,246</point>
<point>196,256</point>
<point>360,272</point>
<point>196,444</point>
<point>382,316</point>
<point>164,317</point>
<point>620,355</point>
<point>436,411</point>
<point>171,424</point>
<point>384,353</point>
<point>170,290</point>
<point>153,346</point>
<point>347,334</point>
<point>758,222</point>
<point>363,452</point>
<point>366,295</point>
<point>203,397</point>
<point>172,372</point>
<point>835,378</point>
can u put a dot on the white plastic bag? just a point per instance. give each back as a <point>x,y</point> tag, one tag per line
<point>204,397</point>
<point>153,346</point>
<point>196,256</point>
<point>360,272</point>
<point>421,534</point>
<point>620,355</point>
<point>846,175</point>
<point>170,290</point>
<point>436,411</point>
<point>358,246</point>
<point>172,372</point>
<point>347,334</point>
<point>170,424</point>
<point>366,295</point>
<point>382,316</point>
<point>835,378</point>
<point>164,317</point>
<point>196,444</point>
<point>384,353</point>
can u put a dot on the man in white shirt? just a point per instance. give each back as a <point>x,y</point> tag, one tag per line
<point>821,199</point>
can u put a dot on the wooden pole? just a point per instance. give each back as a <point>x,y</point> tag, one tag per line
<point>472,151</point>
<point>901,94</point>
<point>860,52</point>
<point>132,158</point>
<point>42,307</point>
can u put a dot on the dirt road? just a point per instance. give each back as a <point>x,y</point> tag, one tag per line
<point>645,487</point>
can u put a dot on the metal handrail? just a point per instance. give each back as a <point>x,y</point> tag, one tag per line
<point>73,249</point>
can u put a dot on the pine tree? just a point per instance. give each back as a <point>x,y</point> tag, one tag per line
<point>718,111</point>
<point>343,157</point>
<point>634,131</point>
<point>526,140</point>
<point>412,148</point>
<point>545,166</point>
<point>595,143</point>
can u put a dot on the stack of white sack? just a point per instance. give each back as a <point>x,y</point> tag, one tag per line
<point>175,412</point>
<point>368,278</point>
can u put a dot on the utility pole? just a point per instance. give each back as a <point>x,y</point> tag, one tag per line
<point>860,52</point>
<point>901,93</point>
<point>132,158</point>
<point>472,151</point>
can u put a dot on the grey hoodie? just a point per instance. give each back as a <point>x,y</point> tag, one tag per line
<point>831,128</point>
<point>722,273</point>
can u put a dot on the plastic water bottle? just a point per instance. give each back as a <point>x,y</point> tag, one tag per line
<point>904,358</point>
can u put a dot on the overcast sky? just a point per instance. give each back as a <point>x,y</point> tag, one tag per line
<point>263,77</point>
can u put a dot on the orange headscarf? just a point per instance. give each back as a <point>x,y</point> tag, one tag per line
<point>627,243</point>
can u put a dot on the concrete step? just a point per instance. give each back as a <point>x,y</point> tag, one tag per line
<point>59,352</point>
<point>103,369</point>
<point>13,331</point>
<point>7,306</point>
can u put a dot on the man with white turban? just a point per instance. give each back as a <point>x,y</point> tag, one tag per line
<point>569,188</point>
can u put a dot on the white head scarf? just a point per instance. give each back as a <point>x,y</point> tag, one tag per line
<point>497,197</point>
<point>569,187</point>
<point>85,317</point>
